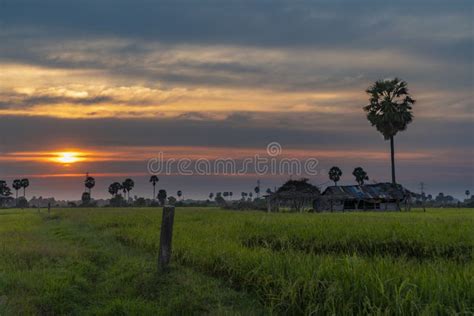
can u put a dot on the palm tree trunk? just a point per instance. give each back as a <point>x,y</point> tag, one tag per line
<point>153,192</point>
<point>392,155</point>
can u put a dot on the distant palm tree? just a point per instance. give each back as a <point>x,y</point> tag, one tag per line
<point>335,174</point>
<point>269,191</point>
<point>112,190</point>
<point>467,194</point>
<point>211,195</point>
<point>127,186</point>
<point>389,110</point>
<point>5,192</point>
<point>179,193</point>
<point>17,186</point>
<point>360,175</point>
<point>154,180</point>
<point>24,184</point>
<point>257,191</point>
<point>162,197</point>
<point>115,188</point>
<point>89,183</point>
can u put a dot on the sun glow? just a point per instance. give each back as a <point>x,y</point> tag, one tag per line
<point>68,157</point>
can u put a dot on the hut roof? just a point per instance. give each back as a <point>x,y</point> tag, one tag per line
<point>379,191</point>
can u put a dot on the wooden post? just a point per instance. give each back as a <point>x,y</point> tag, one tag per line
<point>166,237</point>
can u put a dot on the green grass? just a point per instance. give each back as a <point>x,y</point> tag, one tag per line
<point>103,262</point>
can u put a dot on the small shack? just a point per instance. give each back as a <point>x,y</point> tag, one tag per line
<point>380,196</point>
<point>294,194</point>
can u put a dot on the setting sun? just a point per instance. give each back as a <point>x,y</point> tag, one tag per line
<point>68,157</point>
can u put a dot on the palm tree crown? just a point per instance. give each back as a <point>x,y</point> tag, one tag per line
<point>335,174</point>
<point>390,107</point>
<point>360,175</point>
<point>89,183</point>
<point>114,188</point>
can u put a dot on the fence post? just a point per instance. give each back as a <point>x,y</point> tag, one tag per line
<point>166,237</point>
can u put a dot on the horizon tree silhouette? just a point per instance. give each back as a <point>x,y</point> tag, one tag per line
<point>211,195</point>
<point>389,110</point>
<point>335,174</point>
<point>360,175</point>
<point>127,186</point>
<point>162,197</point>
<point>24,184</point>
<point>89,183</point>
<point>114,188</point>
<point>179,194</point>
<point>257,191</point>
<point>17,186</point>
<point>154,179</point>
<point>5,192</point>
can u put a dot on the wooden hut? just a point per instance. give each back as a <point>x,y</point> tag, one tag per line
<point>380,196</point>
<point>295,194</point>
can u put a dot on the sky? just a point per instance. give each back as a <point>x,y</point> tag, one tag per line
<point>116,83</point>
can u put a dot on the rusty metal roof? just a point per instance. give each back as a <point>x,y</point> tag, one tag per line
<point>379,191</point>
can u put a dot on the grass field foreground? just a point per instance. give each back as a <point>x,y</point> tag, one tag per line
<point>103,261</point>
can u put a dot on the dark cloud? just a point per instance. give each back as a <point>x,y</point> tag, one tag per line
<point>435,30</point>
<point>299,130</point>
<point>275,23</point>
<point>23,101</point>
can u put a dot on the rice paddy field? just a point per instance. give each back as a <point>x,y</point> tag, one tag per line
<point>103,261</point>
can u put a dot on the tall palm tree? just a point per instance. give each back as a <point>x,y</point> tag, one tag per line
<point>467,194</point>
<point>17,186</point>
<point>211,195</point>
<point>360,175</point>
<point>179,193</point>
<point>154,180</point>
<point>335,174</point>
<point>24,184</point>
<point>89,183</point>
<point>389,110</point>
